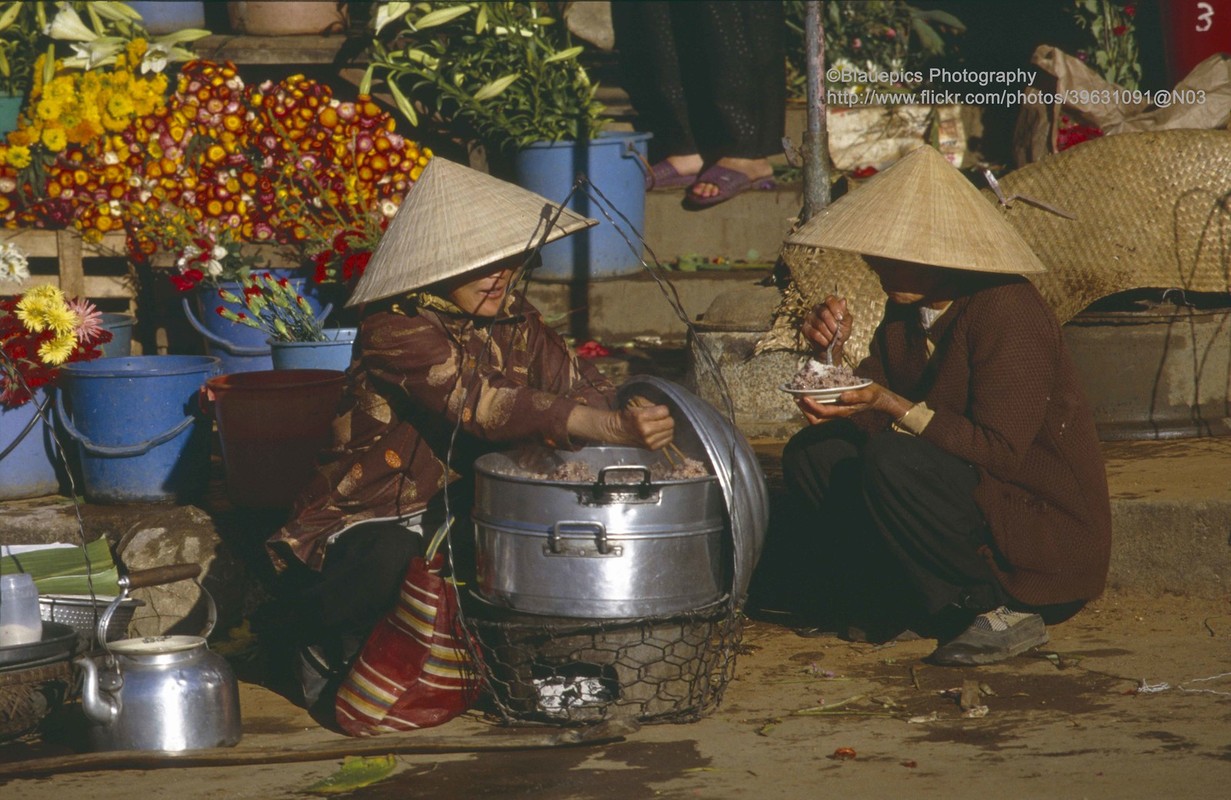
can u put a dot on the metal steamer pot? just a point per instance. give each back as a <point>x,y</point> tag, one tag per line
<point>167,693</point>
<point>624,545</point>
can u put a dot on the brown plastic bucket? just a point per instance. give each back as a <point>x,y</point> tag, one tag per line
<point>272,424</point>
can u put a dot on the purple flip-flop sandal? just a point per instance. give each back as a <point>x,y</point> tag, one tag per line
<point>664,176</point>
<point>730,182</point>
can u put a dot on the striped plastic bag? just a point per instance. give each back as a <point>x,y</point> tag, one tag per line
<point>414,671</point>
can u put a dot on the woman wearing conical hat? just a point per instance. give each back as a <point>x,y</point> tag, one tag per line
<point>448,364</point>
<point>963,492</point>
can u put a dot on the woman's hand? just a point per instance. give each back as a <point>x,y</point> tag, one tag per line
<point>640,424</point>
<point>825,321</point>
<point>874,397</point>
<point>651,426</point>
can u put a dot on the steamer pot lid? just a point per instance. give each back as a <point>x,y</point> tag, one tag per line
<point>733,461</point>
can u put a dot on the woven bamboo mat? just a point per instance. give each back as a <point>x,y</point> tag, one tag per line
<point>1152,212</point>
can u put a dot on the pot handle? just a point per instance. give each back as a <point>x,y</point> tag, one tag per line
<point>597,529</point>
<point>642,488</point>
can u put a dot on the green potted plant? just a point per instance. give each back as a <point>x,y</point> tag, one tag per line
<point>21,43</point>
<point>508,75</point>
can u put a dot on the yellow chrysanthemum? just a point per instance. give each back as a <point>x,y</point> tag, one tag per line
<point>54,139</point>
<point>33,308</point>
<point>48,108</point>
<point>46,292</point>
<point>60,318</point>
<point>136,50</point>
<point>19,156</point>
<point>55,352</point>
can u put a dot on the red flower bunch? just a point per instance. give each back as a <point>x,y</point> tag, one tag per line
<point>352,249</point>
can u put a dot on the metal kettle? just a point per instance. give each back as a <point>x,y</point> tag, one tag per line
<point>166,693</point>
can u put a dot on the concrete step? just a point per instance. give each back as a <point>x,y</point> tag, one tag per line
<point>747,230</point>
<point>748,227</point>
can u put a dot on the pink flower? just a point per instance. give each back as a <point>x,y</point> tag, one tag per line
<point>89,319</point>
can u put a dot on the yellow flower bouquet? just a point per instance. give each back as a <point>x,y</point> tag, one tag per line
<point>39,332</point>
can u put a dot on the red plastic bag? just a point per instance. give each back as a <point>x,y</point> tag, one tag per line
<point>414,671</point>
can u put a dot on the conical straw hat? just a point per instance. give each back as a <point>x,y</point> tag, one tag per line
<point>455,220</point>
<point>922,209</point>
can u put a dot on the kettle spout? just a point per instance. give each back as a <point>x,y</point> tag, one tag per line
<point>98,706</point>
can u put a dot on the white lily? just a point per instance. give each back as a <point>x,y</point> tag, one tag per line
<point>388,12</point>
<point>68,25</point>
<point>116,12</point>
<point>95,53</point>
<point>156,58</point>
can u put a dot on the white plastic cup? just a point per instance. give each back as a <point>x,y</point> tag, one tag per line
<point>20,622</point>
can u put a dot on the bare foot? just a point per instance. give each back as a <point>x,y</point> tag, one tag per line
<point>754,168</point>
<point>686,165</point>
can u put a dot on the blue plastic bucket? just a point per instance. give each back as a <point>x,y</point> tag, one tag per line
<point>27,451</point>
<point>239,347</point>
<point>335,353</point>
<point>162,17</point>
<point>10,109</point>
<point>121,327</point>
<point>614,163</point>
<point>140,434</point>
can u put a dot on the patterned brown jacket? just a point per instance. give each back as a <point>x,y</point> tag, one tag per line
<point>423,373</point>
<point>1007,400</point>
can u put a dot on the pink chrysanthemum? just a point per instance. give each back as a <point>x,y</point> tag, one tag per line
<point>90,320</point>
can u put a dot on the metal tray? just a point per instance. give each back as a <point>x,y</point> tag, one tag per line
<point>58,641</point>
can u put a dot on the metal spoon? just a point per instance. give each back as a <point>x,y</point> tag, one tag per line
<point>837,335</point>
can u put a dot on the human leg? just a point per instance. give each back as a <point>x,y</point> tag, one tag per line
<point>330,613</point>
<point>812,545</point>
<point>921,500</point>
<point>646,38</point>
<point>744,95</point>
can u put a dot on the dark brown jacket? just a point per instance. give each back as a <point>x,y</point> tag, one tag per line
<point>1006,399</point>
<point>420,371</point>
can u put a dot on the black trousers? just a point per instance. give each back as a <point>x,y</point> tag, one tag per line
<point>885,526</point>
<point>337,607</point>
<point>705,77</point>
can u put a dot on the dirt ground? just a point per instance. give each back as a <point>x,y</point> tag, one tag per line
<point>1067,721</point>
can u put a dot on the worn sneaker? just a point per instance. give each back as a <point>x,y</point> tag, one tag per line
<point>993,636</point>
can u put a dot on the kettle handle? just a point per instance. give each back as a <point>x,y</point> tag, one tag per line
<point>144,578</point>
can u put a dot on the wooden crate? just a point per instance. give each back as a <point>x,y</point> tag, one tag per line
<point>61,257</point>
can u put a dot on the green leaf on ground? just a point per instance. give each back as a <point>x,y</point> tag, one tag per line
<point>356,772</point>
